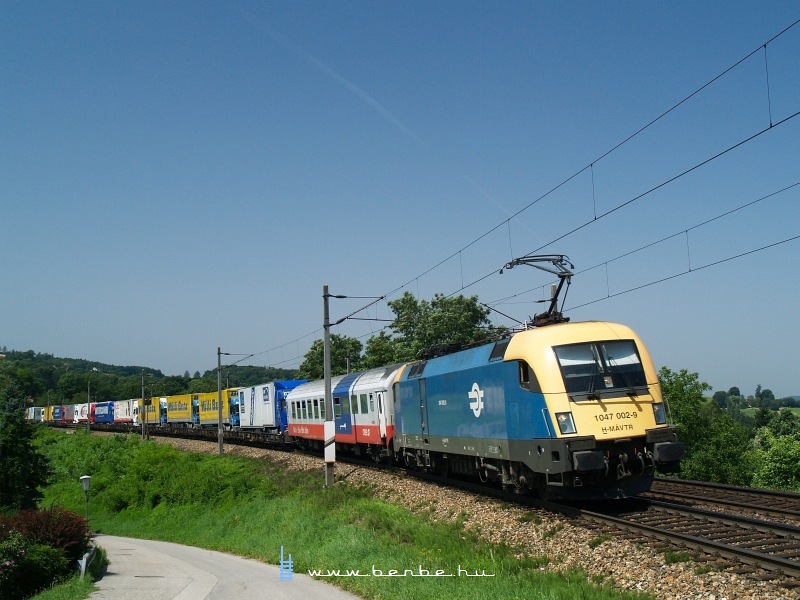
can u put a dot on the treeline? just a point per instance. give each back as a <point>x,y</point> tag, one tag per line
<point>733,399</point>
<point>419,326</point>
<point>44,379</point>
<point>727,444</point>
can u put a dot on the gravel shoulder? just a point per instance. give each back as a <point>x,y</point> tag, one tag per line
<point>615,562</point>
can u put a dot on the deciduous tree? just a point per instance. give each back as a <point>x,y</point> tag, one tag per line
<point>342,349</point>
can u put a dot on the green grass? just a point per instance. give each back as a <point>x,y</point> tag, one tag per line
<point>751,412</point>
<point>74,589</point>
<point>597,541</point>
<point>252,508</point>
<point>77,588</point>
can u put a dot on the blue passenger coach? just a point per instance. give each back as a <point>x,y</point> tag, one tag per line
<point>569,410</point>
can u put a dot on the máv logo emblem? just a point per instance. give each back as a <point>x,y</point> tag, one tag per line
<point>477,399</point>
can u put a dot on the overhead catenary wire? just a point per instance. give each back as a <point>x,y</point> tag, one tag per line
<point>671,236</point>
<point>591,167</point>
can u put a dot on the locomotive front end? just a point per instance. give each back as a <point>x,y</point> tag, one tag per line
<point>609,431</point>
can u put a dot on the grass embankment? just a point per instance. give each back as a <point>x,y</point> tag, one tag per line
<point>252,508</point>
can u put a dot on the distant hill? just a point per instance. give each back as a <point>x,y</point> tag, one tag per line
<point>46,379</point>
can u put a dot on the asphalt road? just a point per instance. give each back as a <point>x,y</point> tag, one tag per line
<point>150,570</point>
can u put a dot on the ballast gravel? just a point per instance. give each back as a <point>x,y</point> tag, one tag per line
<point>609,562</point>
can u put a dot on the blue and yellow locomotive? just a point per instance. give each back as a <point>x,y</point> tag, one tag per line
<point>571,410</point>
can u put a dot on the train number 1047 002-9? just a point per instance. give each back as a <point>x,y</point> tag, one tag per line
<point>626,414</point>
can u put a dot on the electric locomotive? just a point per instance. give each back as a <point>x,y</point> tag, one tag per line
<point>567,410</point>
<point>570,410</point>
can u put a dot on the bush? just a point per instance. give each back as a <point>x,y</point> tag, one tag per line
<point>27,567</point>
<point>55,527</point>
<point>39,548</point>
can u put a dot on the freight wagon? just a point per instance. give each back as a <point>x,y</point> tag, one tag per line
<point>262,406</point>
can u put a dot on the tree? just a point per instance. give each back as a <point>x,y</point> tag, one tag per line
<point>723,453</point>
<point>683,393</point>
<point>201,385</point>
<point>717,441</point>
<point>778,462</point>
<point>380,351</point>
<point>734,391</point>
<point>421,324</point>
<point>344,350</point>
<point>721,398</point>
<point>762,417</point>
<point>785,423</point>
<point>24,470</point>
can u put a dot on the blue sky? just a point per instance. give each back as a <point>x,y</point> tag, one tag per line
<point>180,176</point>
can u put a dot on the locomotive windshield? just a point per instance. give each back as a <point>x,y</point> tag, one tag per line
<point>595,370</point>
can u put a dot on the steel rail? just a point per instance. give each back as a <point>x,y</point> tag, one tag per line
<point>770,562</point>
<point>789,497</point>
<point>711,515</point>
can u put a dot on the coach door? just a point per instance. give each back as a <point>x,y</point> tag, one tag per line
<point>381,416</point>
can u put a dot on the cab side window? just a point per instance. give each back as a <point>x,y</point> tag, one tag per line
<point>527,377</point>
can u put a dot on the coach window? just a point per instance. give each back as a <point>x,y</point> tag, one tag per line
<point>337,407</point>
<point>322,409</point>
<point>316,408</point>
<point>363,398</point>
<point>345,406</point>
<point>294,411</point>
<point>354,404</point>
<point>371,403</point>
<point>305,411</point>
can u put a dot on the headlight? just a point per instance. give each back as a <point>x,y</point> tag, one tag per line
<point>565,423</point>
<point>658,411</point>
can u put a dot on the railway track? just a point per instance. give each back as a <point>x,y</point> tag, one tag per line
<point>770,546</point>
<point>783,505</point>
<point>763,549</point>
